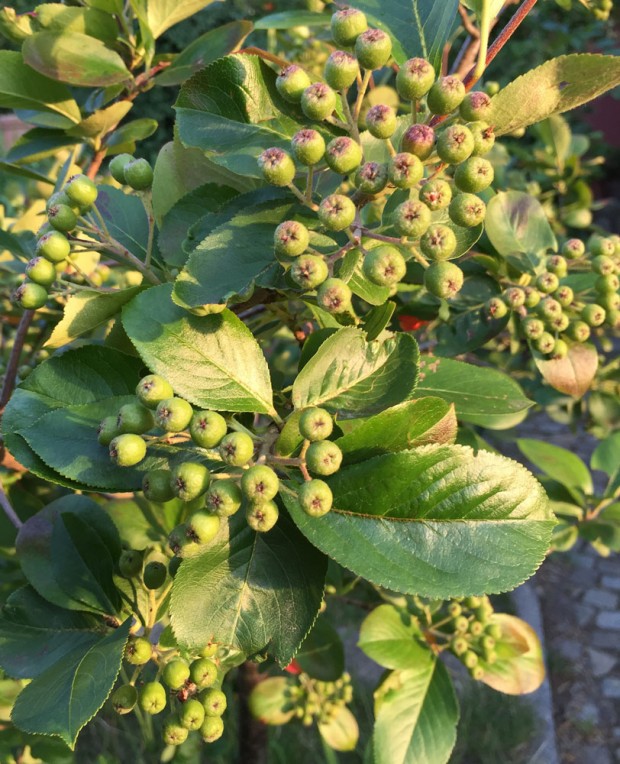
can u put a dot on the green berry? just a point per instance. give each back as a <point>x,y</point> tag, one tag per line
<point>31,296</point>
<point>549,308</point>
<point>130,563</point>
<point>533,328</point>
<point>334,296</point>
<point>545,343</point>
<point>373,49</point>
<point>532,297</point>
<point>212,729</point>
<point>156,486</point>
<point>189,480</point>
<point>135,418</point>
<point>436,194</point>
<point>514,297</point>
<point>236,448</point>
<point>155,574</point>
<point>207,428</point>
<point>138,174</point>
<point>60,197</point>
<point>484,138</point>
<point>107,431</point>
<point>124,699</point>
<point>315,424</point>
<point>213,702</point>
<point>445,95</point>
<point>412,218</point>
<point>62,217</point>
<point>607,284</point>
<point>601,245</point>
<point>475,106</point>
<point>496,308</point>
<point>117,166</point>
<point>609,302</point>
<point>277,167</point>
<point>459,646</point>
<point>323,457</point>
<point>461,624</point>
<point>494,630</point>
<point>309,271</point>
<point>455,144</point>
<point>343,155</point>
<point>82,191</point>
<point>173,414</point>
<point>418,140</point>
<point>127,450</point>
<point>593,315</point>
<point>291,83</point>
<point>176,673</point>
<point>573,249</point>
<point>347,26</point>
<point>152,698</point>
<point>341,70</point>
<point>474,175</point>
<point>371,178</point>
<point>467,210</point>
<point>259,483</point>
<point>308,146</point>
<point>547,282</point>
<point>203,527</point>
<point>384,265</point>
<point>405,170</point>
<point>470,659</point>
<point>173,732</point>
<point>443,279</point>
<point>381,121</point>
<point>262,516</point>
<point>438,243</point>
<point>475,628</point>
<point>557,264</point>
<point>602,264</point>
<point>41,271</point>
<point>337,212</point>
<point>414,79</point>
<point>192,714</point>
<point>203,672</point>
<point>454,609</point>
<point>560,349</point>
<point>209,650</point>
<point>565,296</point>
<point>153,389</point>
<point>579,331</point>
<point>138,651</point>
<point>559,323</point>
<point>54,246</point>
<point>224,498</point>
<point>315,498</point>
<point>477,672</point>
<point>318,101</point>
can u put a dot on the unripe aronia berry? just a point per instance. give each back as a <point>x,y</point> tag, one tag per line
<point>557,264</point>
<point>371,178</point>
<point>127,450</point>
<point>496,308</point>
<point>607,284</point>
<point>559,323</point>
<point>153,389</point>
<point>415,78</point>
<point>41,271</point>
<point>475,106</point>
<point>262,516</point>
<point>315,424</point>
<point>343,155</point>
<point>564,295</point>
<point>547,282</point>
<point>202,527</point>
<point>212,729</point>
<point>337,212</point>
<point>138,174</point>
<point>384,265</point>
<point>236,448</point>
<point>309,271</point>
<point>474,175</point>
<point>124,699</point>
<point>318,101</point>
<point>373,49</point>
<point>514,297</point>
<point>277,167</point>
<point>601,245</point>
<point>154,575</point>
<point>291,83</point>
<point>107,430</point>
<point>189,480</point>
<point>207,428</point>
<point>156,486</point>
<point>412,218</point>
<point>381,121</point>
<point>347,25</point>
<point>560,349</point>
<point>53,246</point>
<point>224,498</point>
<point>31,296</point>
<point>438,243</point>
<point>117,166</point>
<point>323,457</point>
<point>334,296</point>
<point>291,238</point>
<point>214,702</point>
<point>173,414</point>
<point>593,314</point>
<point>436,194</point>
<point>445,95</point>
<point>405,170</point>
<point>133,417</point>
<point>176,673</point>
<point>62,217</point>
<point>578,331</point>
<point>573,249</point>
<point>549,308</point>
<point>533,328</point>
<point>484,138</point>
<point>130,563</point>
<point>192,714</point>
<point>341,70</point>
<point>203,672</point>
<point>308,146</point>
<point>315,498</point>
<point>545,343</point>
<point>260,483</point>
<point>455,144</point>
<point>467,210</point>
<point>418,140</point>
<point>138,651</point>
<point>82,191</point>
<point>603,265</point>
<point>443,279</point>
<point>532,297</point>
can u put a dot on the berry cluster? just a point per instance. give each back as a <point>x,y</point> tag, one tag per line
<point>550,315</point>
<point>188,688</point>
<point>316,701</point>
<point>454,152</point>
<point>249,483</point>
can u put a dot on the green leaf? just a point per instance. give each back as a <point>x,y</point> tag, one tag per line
<point>292,19</point>
<point>354,377</point>
<point>23,88</point>
<point>63,699</point>
<point>213,361</point>
<point>468,331</point>
<point>481,395</point>
<point>56,17</point>
<point>85,311</point>
<point>558,463</point>
<point>416,719</point>
<point>204,50</point>
<point>606,455</point>
<point>341,732</point>
<point>519,668</point>
<point>390,638</point>
<point>270,702</point>
<point>130,132</point>
<point>378,319</point>
<point>556,86</point>
<point>516,222</point>
<point>74,58</point>
<point>572,374</point>
<point>246,244</point>
<point>321,654</point>
<point>103,120</point>
<point>162,14</point>
<point>418,27</point>
<point>438,521</point>
<point>265,590</point>
<point>125,218</point>
<point>24,172</point>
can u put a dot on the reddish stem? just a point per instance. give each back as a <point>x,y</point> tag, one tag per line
<point>13,364</point>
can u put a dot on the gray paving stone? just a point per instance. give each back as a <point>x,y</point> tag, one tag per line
<point>604,640</point>
<point>583,614</point>
<point>595,754</point>
<point>609,620</point>
<point>588,713</point>
<point>582,561</point>
<point>601,599</point>
<point>611,582</point>
<point>611,687</point>
<point>569,648</point>
<point>609,567</point>
<point>602,663</point>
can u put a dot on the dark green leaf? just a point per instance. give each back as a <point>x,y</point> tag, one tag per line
<point>321,654</point>
<point>516,222</point>
<point>125,218</point>
<point>378,319</point>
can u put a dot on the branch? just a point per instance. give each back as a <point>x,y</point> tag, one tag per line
<point>13,364</point>
<point>8,509</point>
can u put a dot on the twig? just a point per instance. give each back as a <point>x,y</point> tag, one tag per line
<point>8,509</point>
<point>347,112</point>
<point>361,93</point>
<point>13,364</point>
<point>301,197</point>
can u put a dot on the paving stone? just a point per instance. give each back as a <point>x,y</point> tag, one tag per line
<point>583,614</point>
<point>587,712</point>
<point>617,733</point>
<point>611,687</point>
<point>569,648</point>
<point>601,599</point>
<point>582,561</point>
<point>602,663</point>
<point>605,640</point>
<point>611,582</point>
<point>595,754</point>
<point>609,567</point>
<point>584,578</point>
<point>610,620</point>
